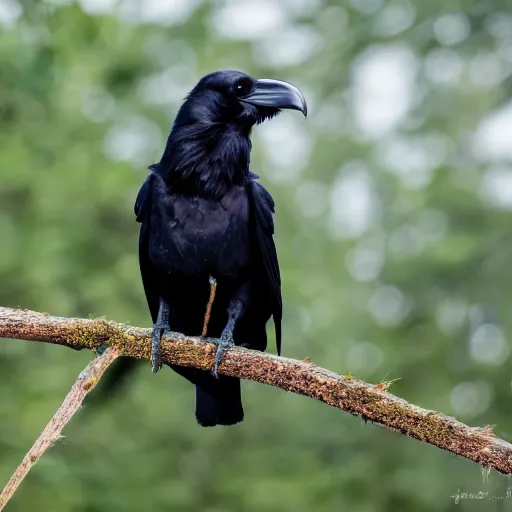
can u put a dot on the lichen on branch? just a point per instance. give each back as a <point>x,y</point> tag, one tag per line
<point>372,402</point>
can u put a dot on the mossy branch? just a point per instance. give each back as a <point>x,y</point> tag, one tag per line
<point>372,402</point>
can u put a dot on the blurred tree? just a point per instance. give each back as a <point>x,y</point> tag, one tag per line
<point>393,216</point>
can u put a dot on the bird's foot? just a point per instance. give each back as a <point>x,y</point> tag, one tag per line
<point>225,342</point>
<point>156,338</point>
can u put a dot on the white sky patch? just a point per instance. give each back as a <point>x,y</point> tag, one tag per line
<point>353,202</point>
<point>471,398</point>
<point>287,144</point>
<point>136,140</point>
<point>388,306</point>
<point>505,52</point>
<point>486,70</point>
<point>492,140</point>
<point>10,11</point>
<point>443,67</point>
<point>452,28</point>
<point>382,88</point>
<point>364,265</point>
<point>496,187</point>
<point>499,25</point>
<point>487,344</point>
<point>248,20</point>
<point>394,18</point>
<point>451,315</point>
<point>288,47</point>
<point>412,160</point>
<point>161,12</point>
<point>366,260</point>
<point>98,6</point>
<point>296,8</point>
<point>168,87</point>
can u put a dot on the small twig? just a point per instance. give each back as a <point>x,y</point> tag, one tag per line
<point>52,432</point>
<point>213,289</point>
<point>370,401</point>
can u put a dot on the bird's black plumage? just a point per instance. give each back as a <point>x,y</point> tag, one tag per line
<point>202,214</point>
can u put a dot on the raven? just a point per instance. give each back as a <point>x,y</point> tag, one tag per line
<point>204,216</point>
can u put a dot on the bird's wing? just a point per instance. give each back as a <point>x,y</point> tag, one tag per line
<point>262,206</point>
<point>123,368</point>
<point>148,272</point>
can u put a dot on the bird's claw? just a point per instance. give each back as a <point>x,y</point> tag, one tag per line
<point>226,341</point>
<point>156,338</point>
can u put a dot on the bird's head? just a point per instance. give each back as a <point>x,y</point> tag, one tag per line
<point>208,149</point>
<point>233,97</point>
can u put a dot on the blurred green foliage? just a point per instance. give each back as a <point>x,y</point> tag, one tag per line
<point>393,231</point>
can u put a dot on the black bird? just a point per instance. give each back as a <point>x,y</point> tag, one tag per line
<point>203,215</point>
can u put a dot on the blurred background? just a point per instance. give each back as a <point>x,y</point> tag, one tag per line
<point>394,204</point>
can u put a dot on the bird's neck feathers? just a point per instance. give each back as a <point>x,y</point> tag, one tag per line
<point>205,159</point>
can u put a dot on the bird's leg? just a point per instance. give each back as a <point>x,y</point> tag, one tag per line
<point>162,324</point>
<point>235,310</point>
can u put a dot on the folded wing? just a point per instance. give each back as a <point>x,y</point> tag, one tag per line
<point>263,225</point>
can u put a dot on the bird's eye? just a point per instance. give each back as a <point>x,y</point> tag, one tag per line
<point>243,88</point>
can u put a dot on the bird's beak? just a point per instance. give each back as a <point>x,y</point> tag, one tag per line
<point>277,94</point>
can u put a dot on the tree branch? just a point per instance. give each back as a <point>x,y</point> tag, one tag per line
<point>52,432</point>
<point>370,401</point>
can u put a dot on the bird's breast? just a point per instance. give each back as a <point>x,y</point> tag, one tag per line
<point>199,236</point>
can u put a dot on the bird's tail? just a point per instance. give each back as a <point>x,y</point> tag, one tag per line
<point>219,403</point>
